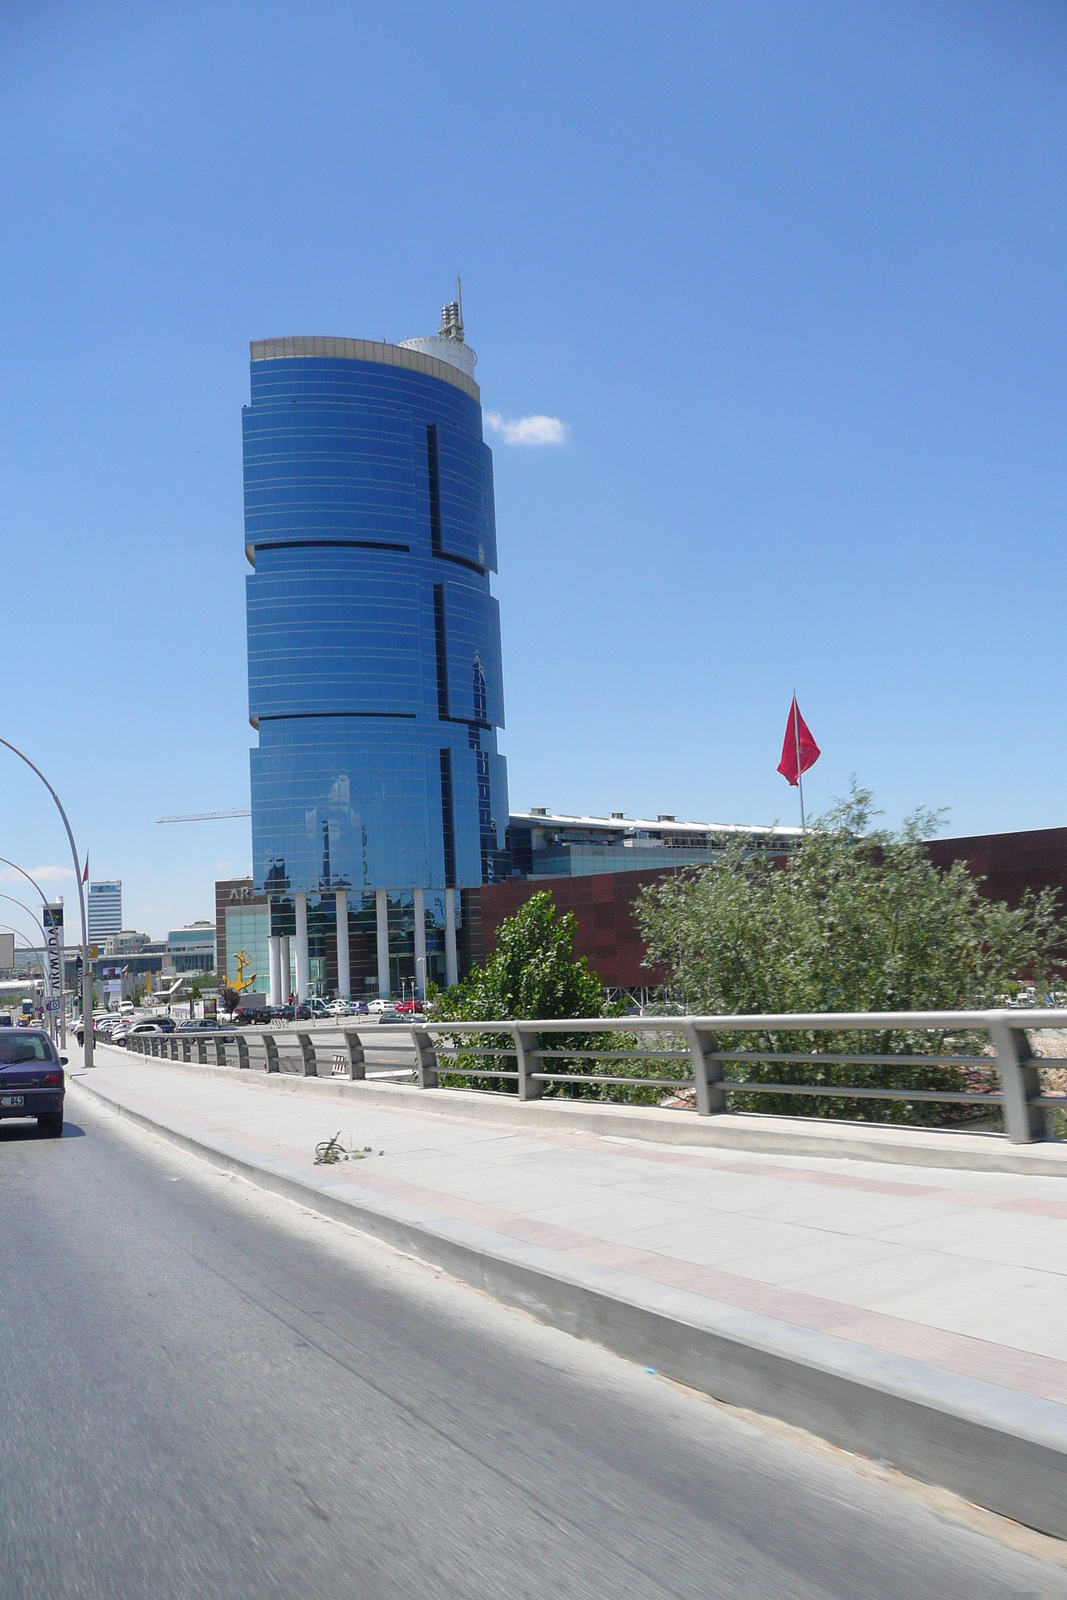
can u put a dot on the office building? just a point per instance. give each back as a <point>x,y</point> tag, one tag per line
<point>105,910</point>
<point>242,924</point>
<point>191,949</point>
<point>595,867</point>
<point>542,843</point>
<point>375,683</point>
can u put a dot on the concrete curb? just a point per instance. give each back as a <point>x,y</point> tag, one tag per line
<point>784,1136</point>
<point>1000,1449</point>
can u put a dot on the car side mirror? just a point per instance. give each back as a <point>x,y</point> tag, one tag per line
<point>62,1061</point>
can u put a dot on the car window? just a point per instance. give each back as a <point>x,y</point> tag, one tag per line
<point>15,1047</point>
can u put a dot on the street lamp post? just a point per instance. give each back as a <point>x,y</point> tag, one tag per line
<point>87,977</point>
<point>44,948</point>
<point>62,954</point>
<point>39,959</point>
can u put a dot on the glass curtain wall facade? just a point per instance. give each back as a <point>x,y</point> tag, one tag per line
<point>373,652</point>
<point>105,909</point>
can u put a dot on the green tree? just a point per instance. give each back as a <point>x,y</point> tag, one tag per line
<point>858,919</point>
<point>531,974</point>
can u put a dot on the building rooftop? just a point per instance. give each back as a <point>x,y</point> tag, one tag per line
<point>389,355</point>
<point>633,827</point>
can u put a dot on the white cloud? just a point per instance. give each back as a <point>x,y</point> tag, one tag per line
<point>42,874</point>
<point>528,430</point>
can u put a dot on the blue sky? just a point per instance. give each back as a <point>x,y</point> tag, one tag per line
<point>789,277</point>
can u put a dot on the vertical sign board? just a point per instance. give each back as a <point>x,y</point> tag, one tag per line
<point>53,927</point>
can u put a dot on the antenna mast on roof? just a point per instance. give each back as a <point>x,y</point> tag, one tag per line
<point>452,317</point>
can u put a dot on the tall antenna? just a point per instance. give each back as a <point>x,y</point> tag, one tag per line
<point>452,316</point>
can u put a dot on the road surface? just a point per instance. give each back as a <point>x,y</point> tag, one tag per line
<point>208,1392</point>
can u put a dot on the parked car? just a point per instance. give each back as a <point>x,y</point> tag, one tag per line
<point>120,1035</point>
<point>407,1007</point>
<point>250,1015</point>
<point>165,1024</point>
<point>339,1008</point>
<point>375,1006</point>
<point>318,1006</point>
<point>31,1079</point>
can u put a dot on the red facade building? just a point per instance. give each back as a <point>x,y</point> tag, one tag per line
<point>606,933</point>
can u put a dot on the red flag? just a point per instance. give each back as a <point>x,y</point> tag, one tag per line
<point>798,742</point>
<point>85,874</point>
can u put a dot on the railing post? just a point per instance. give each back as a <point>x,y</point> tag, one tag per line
<point>270,1046</point>
<point>425,1058</point>
<point>201,1051</point>
<point>1020,1084</point>
<point>707,1070</point>
<point>357,1061</point>
<point>307,1052</point>
<point>220,1052</point>
<point>530,1088</point>
<point>185,1046</point>
<point>242,1050</point>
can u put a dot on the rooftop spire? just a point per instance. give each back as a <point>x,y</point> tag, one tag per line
<point>452,316</point>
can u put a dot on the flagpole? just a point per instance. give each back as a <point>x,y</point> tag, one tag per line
<point>800,775</point>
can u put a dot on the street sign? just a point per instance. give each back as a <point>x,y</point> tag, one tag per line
<point>53,1005</point>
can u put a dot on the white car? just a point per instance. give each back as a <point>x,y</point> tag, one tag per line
<point>376,1007</point>
<point>121,1034</point>
<point>339,1008</point>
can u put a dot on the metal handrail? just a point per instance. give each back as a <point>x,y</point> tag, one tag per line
<point>438,1047</point>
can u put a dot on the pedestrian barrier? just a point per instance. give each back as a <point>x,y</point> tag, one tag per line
<point>1005,1069</point>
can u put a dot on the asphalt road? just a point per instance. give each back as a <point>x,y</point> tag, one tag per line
<point>207,1392</point>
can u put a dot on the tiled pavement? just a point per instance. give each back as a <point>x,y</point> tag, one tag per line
<point>963,1271</point>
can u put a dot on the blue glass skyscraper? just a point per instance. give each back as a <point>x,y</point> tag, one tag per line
<point>374,669</point>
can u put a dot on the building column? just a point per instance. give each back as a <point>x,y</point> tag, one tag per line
<point>303,970</point>
<point>420,942</point>
<point>381,901</point>
<point>344,971</point>
<point>451,962</point>
<point>285,961</point>
<point>274,944</point>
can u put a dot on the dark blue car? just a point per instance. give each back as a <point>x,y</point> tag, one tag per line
<point>31,1079</point>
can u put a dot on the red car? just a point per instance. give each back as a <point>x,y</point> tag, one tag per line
<point>405,1007</point>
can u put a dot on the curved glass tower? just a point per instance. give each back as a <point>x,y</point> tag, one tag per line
<point>374,672</point>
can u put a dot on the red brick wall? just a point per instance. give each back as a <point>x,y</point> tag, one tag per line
<point>1011,862</point>
<point>607,936</point>
<point>606,933</point>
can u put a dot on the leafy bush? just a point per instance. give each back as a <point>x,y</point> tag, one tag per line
<point>856,919</point>
<point>532,974</point>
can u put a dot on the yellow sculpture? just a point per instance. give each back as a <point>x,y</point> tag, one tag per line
<point>241,983</point>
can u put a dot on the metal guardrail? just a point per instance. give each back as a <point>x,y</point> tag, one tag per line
<point>322,1052</point>
<point>439,1049</point>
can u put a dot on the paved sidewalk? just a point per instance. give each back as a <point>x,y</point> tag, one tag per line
<point>942,1278</point>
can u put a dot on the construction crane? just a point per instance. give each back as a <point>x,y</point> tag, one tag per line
<point>208,816</point>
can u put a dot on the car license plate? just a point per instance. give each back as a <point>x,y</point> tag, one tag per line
<point>12,1100</point>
